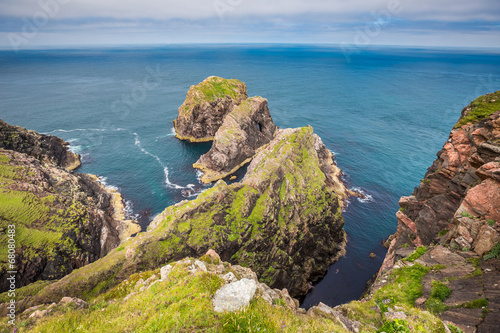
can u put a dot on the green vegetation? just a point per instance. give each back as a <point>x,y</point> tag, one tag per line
<point>467,214</point>
<point>395,326</point>
<point>476,304</point>
<point>439,293</point>
<point>494,253</point>
<point>420,251</point>
<point>213,88</point>
<point>182,303</point>
<point>481,108</point>
<point>454,329</point>
<point>29,290</point>
<point>443,232</point>
<point>490,222</point>
<point>405,286</point>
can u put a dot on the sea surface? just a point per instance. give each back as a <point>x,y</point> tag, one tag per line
<point>385,113</point>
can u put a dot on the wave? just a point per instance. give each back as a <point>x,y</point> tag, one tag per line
<point>129,210</point>
<point>103,180</point>
<point>367,197</point>
<point>168,183</point>
<point>84,130</point>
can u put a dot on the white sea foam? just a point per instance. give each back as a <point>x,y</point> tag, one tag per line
<point>104,181</point>
<point>84,130</point>
<point>366,199</point>
<point>168,183</point>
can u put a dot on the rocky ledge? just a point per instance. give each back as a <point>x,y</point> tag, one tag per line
<point>45,148</point>
<point>245,130</point>
<point>457,206</point>
<point>205,107</point>
<point>62,220</point>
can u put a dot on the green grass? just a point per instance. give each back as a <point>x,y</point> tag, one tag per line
<point>494,253</point>
<point>439,293</point>
<point>467,214</point>
<point>395,326</point>
<point>182,303</point>
<point>454,329</point>
<point>405,286</point>
<point>420,251</point>
<point>482,107</point>
<point>490,222</point>
<point>476,303</point>
<point>443,232</point>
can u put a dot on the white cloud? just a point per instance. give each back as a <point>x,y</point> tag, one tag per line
<point>341,10</point>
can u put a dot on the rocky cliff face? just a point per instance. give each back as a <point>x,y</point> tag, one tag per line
<point>283,219</point>
<point>244,131</point>
<point>205,107</point>
<point>458,205</point>
<point>45,148</point>
<point>62,220</point>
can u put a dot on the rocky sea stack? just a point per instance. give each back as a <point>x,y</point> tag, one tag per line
<point>243,133</point>
<point>205,107</point>
<point>62,220</point>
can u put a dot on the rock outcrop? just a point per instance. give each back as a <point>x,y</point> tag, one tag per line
<point>205,107</point>
<point>45,148</point>
<point>457,203</point>
<point>62,220</point>
<point>243,133</point>
<point>283,220</point>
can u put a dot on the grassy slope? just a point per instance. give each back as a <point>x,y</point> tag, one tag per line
<point>481,108</point>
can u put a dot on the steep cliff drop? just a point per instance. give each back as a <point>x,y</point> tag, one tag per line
<point>455,212</point>
<point>62,220</point>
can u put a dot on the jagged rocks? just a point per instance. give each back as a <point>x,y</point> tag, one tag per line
<point>244,131</point>
<point>205,107</point>
<point>45,148</point>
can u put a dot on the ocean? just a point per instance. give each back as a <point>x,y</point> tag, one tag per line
<point>385,113</point>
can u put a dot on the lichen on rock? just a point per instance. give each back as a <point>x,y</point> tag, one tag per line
<point>205,107</point>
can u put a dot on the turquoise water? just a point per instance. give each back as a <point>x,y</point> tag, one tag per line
<point>385,114</point>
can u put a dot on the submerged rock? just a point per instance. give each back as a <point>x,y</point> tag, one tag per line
<point>205,107</point>
<point>244,131</point>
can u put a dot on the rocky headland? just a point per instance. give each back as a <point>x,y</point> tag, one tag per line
<point>205,107</point>
<point>62,220</point>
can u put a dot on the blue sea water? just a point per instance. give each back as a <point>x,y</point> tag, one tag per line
<point>385,114</point>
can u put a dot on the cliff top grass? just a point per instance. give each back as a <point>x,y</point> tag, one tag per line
<point>481,108</point>
<point>213,88</point>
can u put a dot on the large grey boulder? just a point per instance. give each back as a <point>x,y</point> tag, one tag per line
<point>234,296</point>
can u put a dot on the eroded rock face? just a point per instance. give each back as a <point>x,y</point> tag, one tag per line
<point>283,220</point>
<point>206,106</point>
<point>45,148</point>
<point>244,131</point>
<point>62,220</point>
<point>458,201</point>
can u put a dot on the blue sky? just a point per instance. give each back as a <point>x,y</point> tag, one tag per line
<point>462,23</point>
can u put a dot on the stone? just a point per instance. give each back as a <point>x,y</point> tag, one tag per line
<point>165,271</point>
<point>234,296</point>
<point>229,277</point>
<point>391,315</point>
<point>244,272</point>
<point>324,310</point>
<point>213,255</point>
<point>197,266</point>
<point>129,296</point>
<point>486,240</point>
<point>39,314</point>
<point>73,301</point>
<point>244,131</point>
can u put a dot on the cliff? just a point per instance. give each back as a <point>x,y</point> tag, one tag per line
<point>456,207</point>
<point>209,295</point>
<point>205,107</point>
<point>283,220</point>
<point>62,220</point>
<point>244,131</point>
<point>45,148</point>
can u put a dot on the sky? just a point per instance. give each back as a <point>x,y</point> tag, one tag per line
<point>353,23</point>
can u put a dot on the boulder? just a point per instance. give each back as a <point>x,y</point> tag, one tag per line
<point>234,296</point>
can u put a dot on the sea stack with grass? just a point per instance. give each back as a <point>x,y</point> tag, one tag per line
<point>205,107</point>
